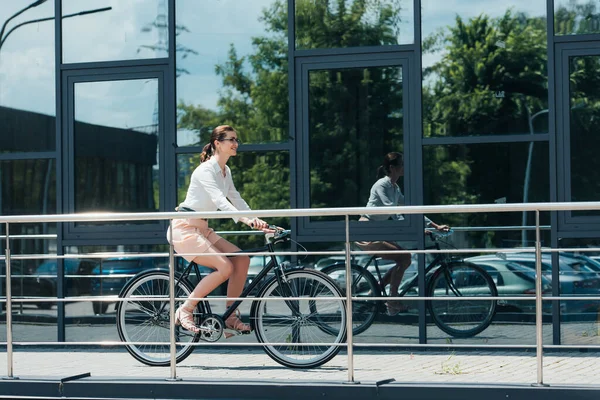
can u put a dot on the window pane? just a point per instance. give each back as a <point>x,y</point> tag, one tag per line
<point>263,180</point>
<point>232,68</point>
<point>28,187</point>
<point>27,91</point>
<point>116,146</point>
<point>576,17</point>
<point>356,116</point>
<point>118,29</point>
<point>484,68</point>
<point>580,276</point>
<point>322,24</point>
<point>489,173</point>
<point>584,93</point>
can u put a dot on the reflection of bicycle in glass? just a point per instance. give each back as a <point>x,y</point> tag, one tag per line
<point>285,327</point>
<point>445,278</point>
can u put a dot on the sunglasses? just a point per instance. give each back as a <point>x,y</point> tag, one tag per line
<point>231,140</point>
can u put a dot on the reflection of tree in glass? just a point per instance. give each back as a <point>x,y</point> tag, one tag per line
<point>345,23</point>
<point>255,101</point>
<point>576,18</point>
<point>490,78</point>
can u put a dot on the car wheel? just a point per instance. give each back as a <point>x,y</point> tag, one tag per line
<point>99,307</point>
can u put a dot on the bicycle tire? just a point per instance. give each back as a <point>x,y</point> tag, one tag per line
<point>276,326</point>
<point>148,320</point>
<point>363,284</point>
<point>461,279</point>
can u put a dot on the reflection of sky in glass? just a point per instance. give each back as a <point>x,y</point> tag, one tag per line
<point>119,104</point>
<point>27,58</point>
<point>436,14</point>
<point>117,34</point>
<point>212,26</point>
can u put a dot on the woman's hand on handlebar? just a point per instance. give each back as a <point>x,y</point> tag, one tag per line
<point>439,228</point>
<point>259,224</point>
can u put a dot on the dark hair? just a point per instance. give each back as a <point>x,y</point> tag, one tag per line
<point>218,133</point>
<point>393,158</point>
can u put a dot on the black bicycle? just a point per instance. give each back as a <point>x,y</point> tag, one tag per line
<point>297,333</point>
<point>445,277</point>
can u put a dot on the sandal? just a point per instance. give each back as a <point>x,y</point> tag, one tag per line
<point>395,307</point>
<point>234,322</point>
<point>185,318</point>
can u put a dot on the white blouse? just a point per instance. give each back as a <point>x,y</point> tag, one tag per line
<point>209,190</point>
<point>385,193</point>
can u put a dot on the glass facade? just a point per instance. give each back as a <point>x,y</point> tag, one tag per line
<point>488,101</point>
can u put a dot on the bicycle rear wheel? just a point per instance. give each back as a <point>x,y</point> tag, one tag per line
<point>363,285</point>
<point>461,318</point>
<point>146,321</point>
<point>286,327</point>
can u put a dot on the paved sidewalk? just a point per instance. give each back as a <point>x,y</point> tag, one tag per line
<point>243,364</point>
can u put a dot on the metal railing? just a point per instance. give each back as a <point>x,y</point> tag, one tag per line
<point>348,253</point>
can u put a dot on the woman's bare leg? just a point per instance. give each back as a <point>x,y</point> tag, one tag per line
<point>223,269</point>
<point>239,273</point>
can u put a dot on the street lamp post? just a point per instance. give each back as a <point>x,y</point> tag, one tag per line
<point>3,38</point>
<point>528,174</point>
<point>15,15</point>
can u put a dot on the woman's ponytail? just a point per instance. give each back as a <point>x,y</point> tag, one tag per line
<point>207,152</point>
<point>391,159</point>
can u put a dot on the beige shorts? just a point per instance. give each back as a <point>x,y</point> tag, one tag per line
<point>192,236</point>
<point>377,244</point>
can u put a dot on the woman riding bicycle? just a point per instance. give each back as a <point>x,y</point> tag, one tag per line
<point>211,188</point>
<point>384,193</point>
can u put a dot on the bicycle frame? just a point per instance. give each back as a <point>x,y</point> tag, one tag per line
<point>271,265</point>
<point>438,261</point>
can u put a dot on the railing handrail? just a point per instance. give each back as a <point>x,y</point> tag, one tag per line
<point>345,211</point>
<point>305,212</point>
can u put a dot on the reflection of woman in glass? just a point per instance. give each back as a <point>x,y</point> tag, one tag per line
<point>211,188</point>
<point>386,192</point>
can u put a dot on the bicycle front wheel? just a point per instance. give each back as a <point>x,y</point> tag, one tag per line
<point>146,322</point>
<point>363,285</point>
<point>461,318</point>
<point>292,329</point>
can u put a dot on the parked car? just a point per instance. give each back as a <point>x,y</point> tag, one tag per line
<point>43,281</point>
<point>514,275</point>
<point>111,274</point>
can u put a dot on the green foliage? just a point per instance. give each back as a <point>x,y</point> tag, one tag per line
<point>492,72</point>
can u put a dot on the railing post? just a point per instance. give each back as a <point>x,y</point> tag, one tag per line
<point>9,337</point>
<point>172,303</point>
<point>349,337</point>
<point>539,337</point>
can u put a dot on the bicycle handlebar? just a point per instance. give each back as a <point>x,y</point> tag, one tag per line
<point>440,234</point>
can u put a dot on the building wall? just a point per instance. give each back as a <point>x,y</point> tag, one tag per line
<point>489,101</point>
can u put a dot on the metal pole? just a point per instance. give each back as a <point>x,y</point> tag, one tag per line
<point>539,338</point>
<point>172,302</point>
<point>9,337</point>
<point>349,337</point>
